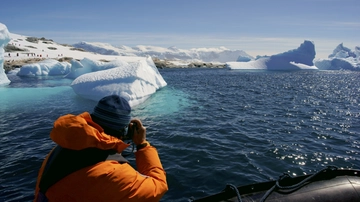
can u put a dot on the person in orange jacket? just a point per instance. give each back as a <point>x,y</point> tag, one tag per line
<point>78,167</point>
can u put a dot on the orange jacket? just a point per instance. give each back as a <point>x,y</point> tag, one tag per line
<point>108,180</point>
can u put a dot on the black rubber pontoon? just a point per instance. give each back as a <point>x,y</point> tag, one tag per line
<point>330,184</point>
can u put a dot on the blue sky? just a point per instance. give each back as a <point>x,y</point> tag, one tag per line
<point>258,27</point>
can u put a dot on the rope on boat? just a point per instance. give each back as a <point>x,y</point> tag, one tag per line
<point>234,188</point>
<point>295,186</point>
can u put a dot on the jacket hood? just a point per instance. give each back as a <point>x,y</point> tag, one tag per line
<point>78,132</point>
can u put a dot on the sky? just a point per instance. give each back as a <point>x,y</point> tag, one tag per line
<point>258,27</point>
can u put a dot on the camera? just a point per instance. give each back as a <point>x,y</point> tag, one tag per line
<point>130,132</point>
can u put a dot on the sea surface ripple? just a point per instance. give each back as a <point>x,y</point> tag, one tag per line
<point>211,127</point>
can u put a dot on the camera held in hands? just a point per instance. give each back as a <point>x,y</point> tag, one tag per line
<point>130,132</point>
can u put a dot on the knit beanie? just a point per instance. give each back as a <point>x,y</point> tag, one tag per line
<point>112,112</point>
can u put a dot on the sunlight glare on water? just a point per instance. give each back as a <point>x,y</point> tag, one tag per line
<point>211,127</point>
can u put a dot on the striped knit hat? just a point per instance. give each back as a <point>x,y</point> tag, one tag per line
<point>112,112</point>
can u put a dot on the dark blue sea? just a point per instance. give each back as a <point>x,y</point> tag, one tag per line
<point>212,127</point>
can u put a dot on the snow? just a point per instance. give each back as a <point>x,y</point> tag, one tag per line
<point>104,49</point>
<point>45,48</point>
<point>135,82</point>
<point>87,65</point>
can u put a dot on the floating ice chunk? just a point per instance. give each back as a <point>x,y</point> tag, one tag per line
<point>133,81</point>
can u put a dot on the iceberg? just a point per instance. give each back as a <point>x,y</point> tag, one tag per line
<point>342,58</point>
<point>134,81</point>
<point>48,67</point>
<point>342,52</point>
<point>300,58</point>
<point>93,79</point>
<point>87,65</point>
<point>4,39</point>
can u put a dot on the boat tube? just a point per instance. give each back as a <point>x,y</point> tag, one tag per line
<point>329,184</point>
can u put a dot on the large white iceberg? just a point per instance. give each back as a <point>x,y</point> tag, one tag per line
<point>300,58</point>
<point>4,39</point>
<point>134,81</point>
<point>93,79</point>
<point>87,65</point>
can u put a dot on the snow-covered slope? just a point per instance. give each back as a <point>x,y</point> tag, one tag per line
<point>25,47</point>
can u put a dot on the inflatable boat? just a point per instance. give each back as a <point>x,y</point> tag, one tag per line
<point>329,184</point>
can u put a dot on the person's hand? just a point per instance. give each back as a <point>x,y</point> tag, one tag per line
<point>139,136</point>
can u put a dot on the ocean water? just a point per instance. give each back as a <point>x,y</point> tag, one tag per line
<point>211,127</point>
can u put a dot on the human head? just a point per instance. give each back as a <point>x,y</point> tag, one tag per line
<point>112,113</point>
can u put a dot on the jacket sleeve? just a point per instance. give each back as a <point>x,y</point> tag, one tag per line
<point>148,164</point>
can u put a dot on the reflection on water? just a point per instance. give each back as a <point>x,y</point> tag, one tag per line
<point>210,126</point>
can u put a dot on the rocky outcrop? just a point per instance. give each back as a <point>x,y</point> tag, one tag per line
<point>205,65</point>
<point>12,48</point>
<point>36,40</point>
<point>169,64</point>
<point>12,64</point>
<point>161,64</point>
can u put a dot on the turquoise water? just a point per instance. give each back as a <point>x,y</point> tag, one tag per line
<point>211,127</point>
